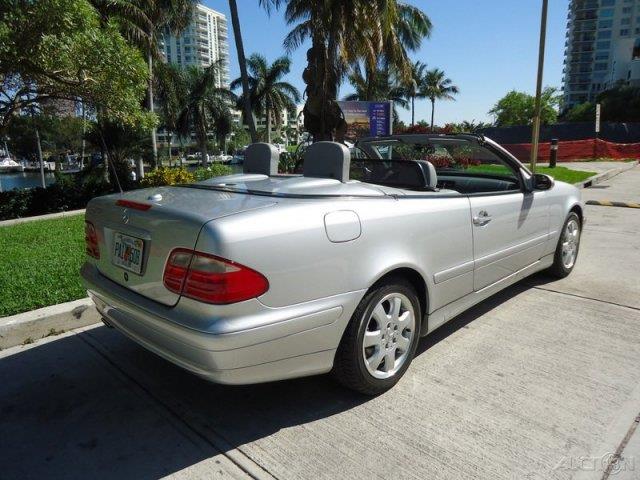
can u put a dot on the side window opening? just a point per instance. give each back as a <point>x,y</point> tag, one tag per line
<point>461,165</point>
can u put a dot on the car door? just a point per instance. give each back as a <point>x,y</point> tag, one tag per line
<point>510,225</point>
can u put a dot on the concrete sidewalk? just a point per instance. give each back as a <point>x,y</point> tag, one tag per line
<point>528,384</point>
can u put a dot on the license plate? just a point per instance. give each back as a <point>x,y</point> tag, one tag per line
<point>127,252</point>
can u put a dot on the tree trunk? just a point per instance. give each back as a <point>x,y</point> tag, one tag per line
<point>154,144</point>
<point>268,113</point>
<point>237,34</point>
<point>42,181</point>
<point>168,133</point>
<point>140,168</point>
<point>203,148</point>
<point>413,110</point>
<point>433,110</point>
<point>84,131</point>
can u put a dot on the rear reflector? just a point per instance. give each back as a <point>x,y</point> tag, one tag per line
<point>132,204</point>
<point>91,240</point>
<point>211,279</point>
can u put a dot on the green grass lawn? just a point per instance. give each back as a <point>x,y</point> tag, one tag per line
<point>40,263</point>
<point>562,174</point>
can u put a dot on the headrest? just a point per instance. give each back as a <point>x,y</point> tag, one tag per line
<point>327,160</point>
<point>261,158</point>
<point>431,178</point>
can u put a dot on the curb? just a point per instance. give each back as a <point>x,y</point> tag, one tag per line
<point>610,203</point>
<point>27,327</point>
<point>601,177</point>
<point>49,216</point>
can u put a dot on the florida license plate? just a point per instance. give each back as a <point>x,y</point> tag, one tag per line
<point>127,252</point>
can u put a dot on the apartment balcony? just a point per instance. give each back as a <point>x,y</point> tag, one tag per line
<point>578,6</point>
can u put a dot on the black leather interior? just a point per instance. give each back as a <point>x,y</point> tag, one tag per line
<point>406,174</point>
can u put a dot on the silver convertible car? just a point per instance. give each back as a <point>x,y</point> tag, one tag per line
<point>258,276</point>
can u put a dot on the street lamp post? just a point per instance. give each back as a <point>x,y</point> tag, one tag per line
<point>535,137</point>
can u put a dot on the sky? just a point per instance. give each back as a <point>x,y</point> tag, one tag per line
<point>486,47</point>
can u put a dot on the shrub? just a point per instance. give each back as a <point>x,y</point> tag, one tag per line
<point>288,161</point>
<point>215,170</point>
<point>167,176</point>
<point>70,192</point>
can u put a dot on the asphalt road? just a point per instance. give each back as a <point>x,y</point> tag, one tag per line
<point>541,381</point>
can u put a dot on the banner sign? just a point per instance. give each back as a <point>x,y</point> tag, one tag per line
<point>367,119</point>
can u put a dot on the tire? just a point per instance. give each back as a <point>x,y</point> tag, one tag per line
<point>568,242</point>
<point>355,365</point>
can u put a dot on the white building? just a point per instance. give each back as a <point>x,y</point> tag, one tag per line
<point>290,120</point>
<point>203,42</point>
<point>602,48</point>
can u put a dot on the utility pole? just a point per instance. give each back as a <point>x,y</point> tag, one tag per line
<point>535,137</point>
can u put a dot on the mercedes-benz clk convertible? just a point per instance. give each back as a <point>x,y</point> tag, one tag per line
<point>257,276</point>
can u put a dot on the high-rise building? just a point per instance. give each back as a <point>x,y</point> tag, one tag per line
<point>602,48</point>
<point>203,42</point>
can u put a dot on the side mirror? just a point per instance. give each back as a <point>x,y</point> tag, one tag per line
<point>542,182</point>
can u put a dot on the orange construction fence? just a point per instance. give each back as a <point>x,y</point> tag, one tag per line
<point>576,150</point>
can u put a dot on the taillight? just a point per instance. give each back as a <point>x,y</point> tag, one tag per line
<point>91,240</point>
<point>211,279</point>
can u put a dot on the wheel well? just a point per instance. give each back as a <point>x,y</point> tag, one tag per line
<point>416,281</point>
<point>578,210</point>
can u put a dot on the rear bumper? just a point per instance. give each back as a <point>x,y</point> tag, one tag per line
<point>263,345</point>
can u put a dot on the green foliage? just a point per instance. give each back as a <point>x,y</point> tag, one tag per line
<point>288,161</point>
<point>343,34</point>
<point>215,170</point>
<point>239,139</point>
<point>62,48</point>
<point>620,104</point>
<point>584,112</point>
<point>58,135</point>
<point>378,84</point>
<point>39,264</point>
<point>205,107</point>
<point>70,192</point>
<point>517,108</point>
<point>269,94</point>
<point>562,174</point>
<point>167,176</point>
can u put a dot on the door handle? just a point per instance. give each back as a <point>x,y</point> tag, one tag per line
<point>481,219</point>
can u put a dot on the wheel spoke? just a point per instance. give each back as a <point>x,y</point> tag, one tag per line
<point>389,332</point>
<point>395,308</point>
<point>402,343</point>
<point>375,360</point>
<point>380,315</point>
<point>372,338</point>
<point>405,320</point>
<point>390,360</point>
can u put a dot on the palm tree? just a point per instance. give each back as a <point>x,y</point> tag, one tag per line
<point>269,95</point>
<point>206,106</point>
<point>142,23</point>
<point>378,85</point>
<point>237,34</point>
<point>172,98</point>
<point>414,86</point>
<point>344,33</point>
<point>438,86</point>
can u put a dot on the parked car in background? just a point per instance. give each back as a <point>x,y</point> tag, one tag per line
<point>258,276</point>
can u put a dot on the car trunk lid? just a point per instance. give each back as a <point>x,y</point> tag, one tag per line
<point>155,221</point>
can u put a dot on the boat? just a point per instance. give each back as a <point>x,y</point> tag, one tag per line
<point>9,165</point>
